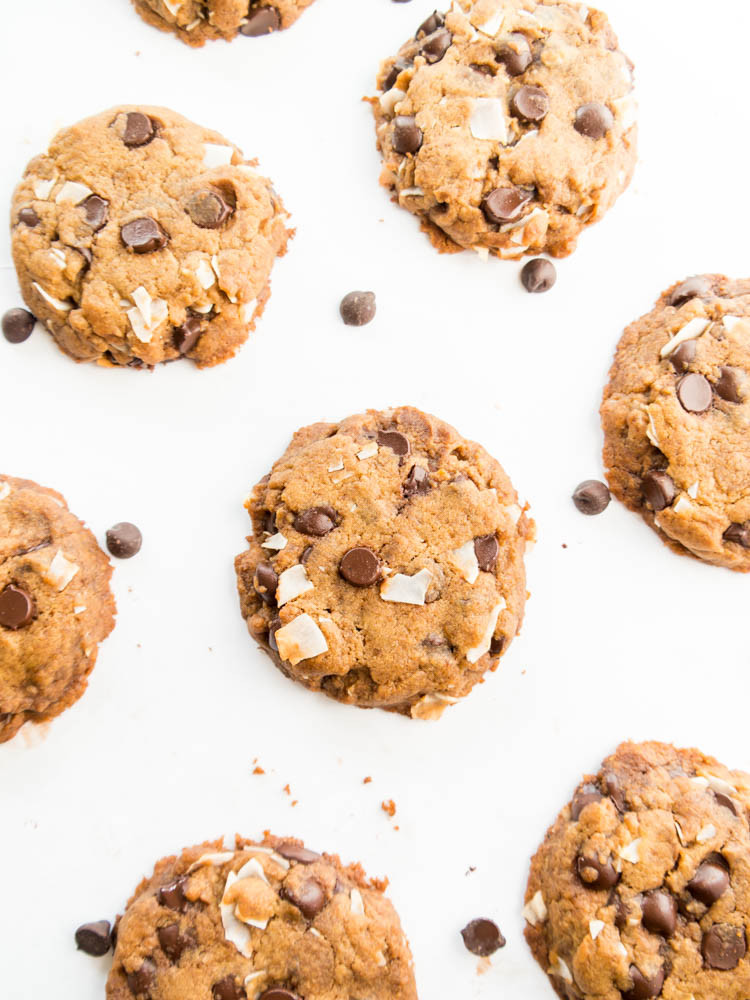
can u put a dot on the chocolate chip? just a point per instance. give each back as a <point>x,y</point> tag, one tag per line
<point>309,897</point>
<point>173,895</point>
<point>228,989</point>
<point>644,987</point>
<point>725,802</point>
<point>691,289</point>
<point>505,204</point>
<point>407,135</point>
<point>17,325</point>
<point>694,393</point>
<point>596,874</point>
<point>436,45</point>
<point>360,566</point>
<point>317,521</point>
<point>621,914</point>
<point>683,356</point>
<point>358,308</point>
<point>186,336</point>
<point>143,235</point>
<point>143,978</point>
<point>172,942</point>
<point>538,275</point>
<point>497,643</point>
<point>96,210</point>
<point>591,497</point>
<point>660,913</point>
<point>486,549</point>
<point>208,209</point>
<point>583,797</point>
<point>139,129</point>
<point>482,937</point>
<point>530,104</point>
<point>278,993</point>
<point>306,553</point>
<point>17,608</point>
<point>301,855</point>
<point>261,21</point>
<point>709,883</point>
<point>658,490</point>
<point>396,70</point>
<point>124,540</point>
<point>265,582</point>
<point>95,939</point>
<point>396,441</point>
<point>613,788</point>
<point>723,946</point>
<point>417,483</point>
<point>593,120</point>
<point>728,385</point>
<point>515,54</point>
<point>273,627</point>
<point>28,217</point>
<point>434,21</point>
<point>739,534</point>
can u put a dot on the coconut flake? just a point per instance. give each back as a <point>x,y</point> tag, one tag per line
<point>300,640</point>
<point>173,6</point>
<point>252,869</point>
<point>247,310</point>
<point>717,784</point>
<point>337,466</point>
<point>72,193</point>
<point>60,571</point>
<point>79,609</point>
<point>465,560</point>
<point>403,589</point>
<point>626,109</point>
<point>595,928</point>
<point>215,155</point>
<point>561,969</point>
<point>682,506</point>
<point>732,322</point>
<point>215,859</point>
<point>55,303</point>
<point>631,852</point>
<point>690,331</point>
<point>692,491</point>
<point>390,99</point>
<point>535,911</point>
<point>707,833</point>
<point>431,706</point>
<point>488,121</point>
<point>204,273</point>
<point>4,490</point>
<point>234,930</point>
<point>357,903</point>
<point>680,834</point>
<point>368,451</point>
<point>58,256</point>
<point>477,652</point>
<point>293,582</point>
<point>42,189</point>
<point>412,192</point>
<point>277,542</point>
<point>651,431</point>
<point>492,25</point>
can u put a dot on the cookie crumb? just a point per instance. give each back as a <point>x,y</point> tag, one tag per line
<point>367,781</point>
<point>258,770</point>
<point>389,807</point>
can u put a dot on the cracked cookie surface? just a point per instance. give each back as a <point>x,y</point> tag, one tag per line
<point>386,567</point>
<point>140,238</point>
<point>508,126</point>
<point>265,921</point>
<point>198,21</point>
<point>676,420</point>
<point>642,886</point>
<point>55,604</point>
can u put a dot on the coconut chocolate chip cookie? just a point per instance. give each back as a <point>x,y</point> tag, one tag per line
<point>508,126</point>
<point>55,604</point>
<point>641,888</point>
<point>139,238</point>
<point>386,563</point>
<point>198,21</point>
<point>676,418</point>
<point>265,921</point>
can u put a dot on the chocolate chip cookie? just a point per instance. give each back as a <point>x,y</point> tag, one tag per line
<point>198,21</point>
<point>265,921</point>
<point>508,126</point>
<point>386,563</point>
<point>642,886</point>
<point>676,418</point>
<point>139,237</point>
<point>55,604</point>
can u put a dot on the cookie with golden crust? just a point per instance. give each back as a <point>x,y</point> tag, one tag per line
<point>386,564</point>
<point>268,920</point>
<point>55,604</point>
<point>676,419</point>
<point>198,21</point>
<point>641,888</point>
<point>140,237</point>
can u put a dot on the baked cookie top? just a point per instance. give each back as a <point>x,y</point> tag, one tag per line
<point>198,21</point>
<point>642,886</point>
<point>676,419</point>
<point>265,921</point>
<point>55,604</point>
<point>139,237</point>
<point>386,564</point>
<point>508,126</point>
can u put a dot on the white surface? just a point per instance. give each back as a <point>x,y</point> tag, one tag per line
<point>622,638</point>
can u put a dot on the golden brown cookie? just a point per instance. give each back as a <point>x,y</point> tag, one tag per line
<point>265,921</point>
<point>198,21</point>
<point>55,604</point>
<point>386,564</point>
<point>139,237</point>
<point>676,419</point>
<point>641,888</point>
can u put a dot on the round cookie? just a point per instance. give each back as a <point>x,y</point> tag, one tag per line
<point>386,565</point>
<point>198,21</point>
<point>140,237</point>
<point>55,604</point>
<point>642,886</point>
<point>266,921</point>
<point>676,419</point>
<point>508,126</point>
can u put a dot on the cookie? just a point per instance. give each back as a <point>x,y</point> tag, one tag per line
<point>265,921</point>
<point>139,238</point>
<point>198,21</point>
<point>642,886</point>
<point>55,604</point>
<point>508,126</point>
<point>676,419</point>
<point>386,564</point>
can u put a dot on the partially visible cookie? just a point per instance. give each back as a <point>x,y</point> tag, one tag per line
<point>386,567</point>
<point>265,921</point>
<point>641,888</point>
<point>139,237</point>
<point>198,21</point>
<point>676,419</point>
<point>508,126</point>
<point>55,604</point>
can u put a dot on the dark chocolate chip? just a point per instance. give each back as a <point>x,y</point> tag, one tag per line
<point>530,104</point>
<point>723,946</point>
<point>273,627</point>
<point>141,981</point>
<point>358,308</point>
<point>591,497</point>
<point>658,490</point>
<point>228,989</point>
<point>436,45</point>
<point>265,582</point>
<point>360,566</point>
<point>396,441</point>
<point>306,553</point>
<point>124,540</point>
<point>497,644</point>
<point>538,275</point>
<point>173,895</point>
<point>614,790</point>
<point>139,129</point>
<point>593,120</point>
<point>396,70</point>
<point>644,987</point>
<point>505,204</point>
<point>515,54</point>
<point>208,209</point>
<point>317,521</point>
<point>261,21</point>
<point>726,802</point>
<point>278,993</point>
<point>172,942</point>
<point>621,914</point>
<point>407,135</point>
<point>482,937</point>
<point>187,335</point>
<point>434,21</point>
<point>683,356</point>
<point>417,483</point>
<point>143,235</point>
<point>739,534</point>
<point>691,289</point>
<point>596,874</point>
<point>695,393</point>
<point>97,211</point>
<point>583,797</point>
<point>95,939</point>
<point>486,549</point>
<point>28,217</point>
<point>709,883</point>
<point>17,325</point>
<point>728,385</point>
<point>309,897</point>
<point>294,852</point>
<point>17,608</point>
<point>659,913</point>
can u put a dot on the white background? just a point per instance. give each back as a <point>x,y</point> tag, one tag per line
<point>622,637</point>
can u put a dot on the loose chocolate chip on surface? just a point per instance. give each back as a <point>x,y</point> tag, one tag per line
<point>261,21</point>
<point>505,204</point>
<point>17,325</point>
<point>728,385</point>
<point>172,942</point>
<point>723,946</point>
<point>97,211</point>
<point>293,852</point>
<point>139,129</point>
<point>360,566</point>
<point>658,490</point>
<point>143,978</point>
<point>265,582</point>
<point>694,393</point>
<point>309,897</point>
<point>228,989</point>
<point>482,937</point>
<point>208,209</point>
<point>396,441</point>
<point>593,120</point>
<point>486,549</point>
<point>583,797</point>
<point>143,235</point>
<point>28,217</point>
<point>317,521</point>
<point>515,54</point>
<point>683,356</point>
<point>95,938</point>
<point>531,104</point>
<point>358,308</point>
<point>596,874</point>
<point>691,289</point>
<point>436,45</point>
<point>591,497</point>
<point>407,135</point>
<point>538,275</point>
<point>17,608</point>
<point>187,335</point>
<point>173,895</point>
<point>739,534</point>
<point>434,21</point>
<point>709,883</point>
<point>660,913</point>
<point>124,540</point>
<point>644,987</point>
<point>417,483</point>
